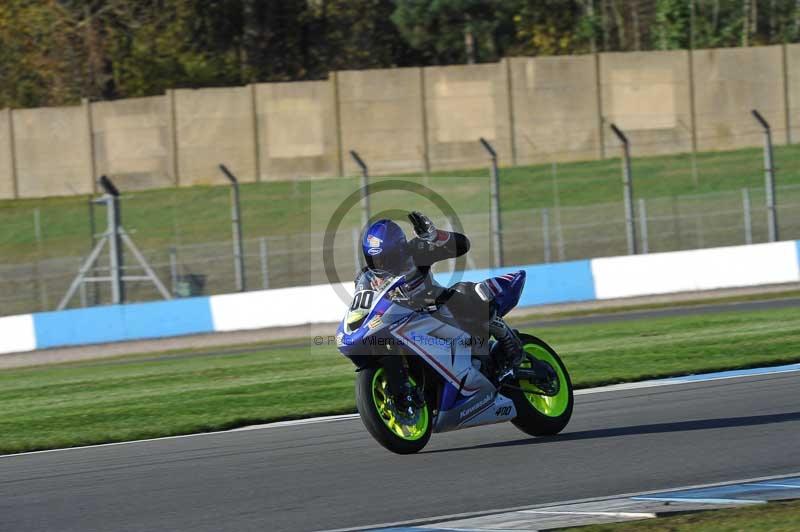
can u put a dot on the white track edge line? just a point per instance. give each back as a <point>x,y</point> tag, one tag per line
<point>481,513</point>
<point>649,515</point>
<point>669,381</point>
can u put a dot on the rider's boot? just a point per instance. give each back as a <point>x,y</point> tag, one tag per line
<point>513,351</point>
<point>508,339</point>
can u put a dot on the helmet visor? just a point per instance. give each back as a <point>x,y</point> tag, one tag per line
<point>394,263</point>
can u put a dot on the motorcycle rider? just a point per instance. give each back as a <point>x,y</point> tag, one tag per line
<point>471,305</point>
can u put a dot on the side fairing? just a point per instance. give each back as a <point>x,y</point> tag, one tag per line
<point>447,349</point>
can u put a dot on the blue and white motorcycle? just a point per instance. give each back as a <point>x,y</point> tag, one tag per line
<point>458,380</point>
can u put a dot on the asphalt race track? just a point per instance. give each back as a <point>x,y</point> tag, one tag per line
<point>330,475</point>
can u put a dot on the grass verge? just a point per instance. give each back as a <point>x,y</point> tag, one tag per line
<point>627,307</point>
<point>133,398</point>
<point>775,517</point>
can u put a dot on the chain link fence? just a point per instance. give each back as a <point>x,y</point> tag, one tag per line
<point>530,236</point>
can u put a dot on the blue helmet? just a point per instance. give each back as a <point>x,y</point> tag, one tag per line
<point>385,248</point>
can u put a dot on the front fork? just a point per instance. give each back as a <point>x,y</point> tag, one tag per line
<point>400,387</point>
<point>396,373</point>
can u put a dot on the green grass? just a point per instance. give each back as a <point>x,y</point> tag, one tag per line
<point>775,517</point>
<point>147,396</point>
<point>165,217</point>
<point>626,307</point>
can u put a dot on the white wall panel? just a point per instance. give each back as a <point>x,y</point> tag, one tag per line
<point>17,334</point>
<point>702,269</point>
<point>281,307</point>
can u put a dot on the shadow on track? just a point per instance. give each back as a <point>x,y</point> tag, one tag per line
<point>655,428</point>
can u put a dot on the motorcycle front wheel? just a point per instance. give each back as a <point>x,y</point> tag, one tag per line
<point>539,414</point>
<point>375,407</point>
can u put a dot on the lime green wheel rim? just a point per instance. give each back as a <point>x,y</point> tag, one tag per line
<point>549,406</point>
<point>380,396</point>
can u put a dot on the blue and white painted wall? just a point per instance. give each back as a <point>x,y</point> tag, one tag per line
<point>583,280</point>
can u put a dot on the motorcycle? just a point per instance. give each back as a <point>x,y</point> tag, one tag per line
<point>454,380</point>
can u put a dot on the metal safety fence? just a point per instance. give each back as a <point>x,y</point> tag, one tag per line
<point>530,236</point>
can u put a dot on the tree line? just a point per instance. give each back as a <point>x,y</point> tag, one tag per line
<point>55,52</point>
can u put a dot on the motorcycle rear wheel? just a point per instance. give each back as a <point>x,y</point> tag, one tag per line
<point>378,416</point>
<point>537,414</point>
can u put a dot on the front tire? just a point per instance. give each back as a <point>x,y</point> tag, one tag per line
<point>377,413</point>
<point>540,415</point>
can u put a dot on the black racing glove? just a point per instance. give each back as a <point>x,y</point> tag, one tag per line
<point>423,226</point>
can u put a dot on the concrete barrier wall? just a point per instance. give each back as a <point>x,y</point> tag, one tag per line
<point>132,142</point>
<point>585,280</point>
<point>52,151</point>
<point>647,95</point>
<point>297,130</point>
<point>729,82</point>
<point>533,110</point>
<point>214,126</point>
<point>462,104</point>
<point>555,108</point>
<point>382,119</point>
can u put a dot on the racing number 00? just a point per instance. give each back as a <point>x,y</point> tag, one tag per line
<point>362,299</point>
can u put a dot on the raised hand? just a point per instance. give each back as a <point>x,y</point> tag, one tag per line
<point>423,226</point>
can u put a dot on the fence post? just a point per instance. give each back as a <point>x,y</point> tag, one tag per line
<point>173,270</point>
<point>115,237</point>
<point>82,292</point>
<point>115,241</point>
<point>262,248</point>
<point>546,233</point>
<point>37,232</point>
<point>630,217</point>
<point>643,225</point>
<point>364,188</point>
<point>769,177</point>
<point>557,213</point>
<point>356,250</point>
<point>748,224</point>
<point>92,243</point>
<point>560,245</point>
<point>236,223</point>
<point>676,222</point>
<point>497,238</point>
<point>698,227</point>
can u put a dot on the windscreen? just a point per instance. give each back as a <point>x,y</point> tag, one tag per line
<point>369,284</point>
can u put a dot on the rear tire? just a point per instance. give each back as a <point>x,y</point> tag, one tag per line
<point>379,418</point>
<point>540,415</point>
